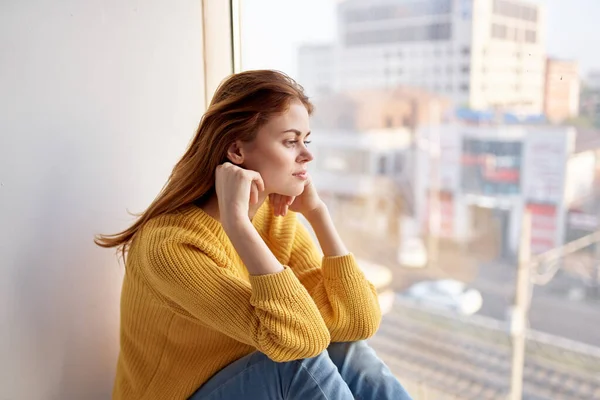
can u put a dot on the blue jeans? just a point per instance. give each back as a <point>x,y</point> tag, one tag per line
<point>349,370</point>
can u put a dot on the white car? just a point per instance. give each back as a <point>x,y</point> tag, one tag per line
<point>447,294</point>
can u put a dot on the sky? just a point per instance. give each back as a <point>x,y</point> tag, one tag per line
<point>273,29</point>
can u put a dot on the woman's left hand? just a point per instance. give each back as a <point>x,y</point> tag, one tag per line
<point>304,204</point>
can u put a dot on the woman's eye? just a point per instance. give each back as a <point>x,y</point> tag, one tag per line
<point>293,142</point>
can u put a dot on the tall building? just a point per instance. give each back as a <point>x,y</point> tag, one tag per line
<point>485,54</point>
<point>561,96</point>
<point>589,105</point>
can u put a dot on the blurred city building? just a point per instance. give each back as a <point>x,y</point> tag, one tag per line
<point>490,175</point>
<point>589,106</point>
<point>562,90</point>
<point>483,55</point>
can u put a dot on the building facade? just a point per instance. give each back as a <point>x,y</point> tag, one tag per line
<point>487,177</point>
<point>562,87</point>
<point>483,54</point>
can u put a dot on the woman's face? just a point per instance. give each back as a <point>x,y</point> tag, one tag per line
<point>279,151</point>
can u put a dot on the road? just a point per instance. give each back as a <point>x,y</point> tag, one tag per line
<point>551,311</point>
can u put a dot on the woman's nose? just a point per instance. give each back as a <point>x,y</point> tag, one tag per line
<point>306,156</point>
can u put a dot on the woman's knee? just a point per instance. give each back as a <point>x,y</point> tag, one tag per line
<point>340,351</point>
<point>355,357</point>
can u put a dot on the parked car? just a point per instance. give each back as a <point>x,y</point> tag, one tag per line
<point>447,294</point>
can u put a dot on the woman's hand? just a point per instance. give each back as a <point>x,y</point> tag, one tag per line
<point>236,189</point>
<point>307,202</point>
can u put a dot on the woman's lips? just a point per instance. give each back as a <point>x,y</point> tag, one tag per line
<point>302,175</point>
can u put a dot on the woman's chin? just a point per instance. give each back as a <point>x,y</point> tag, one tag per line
<point>293,191</point>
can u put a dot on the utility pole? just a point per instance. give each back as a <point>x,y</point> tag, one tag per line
<point>433,196</point>
<point>520,309</point>
<point>595,292</point>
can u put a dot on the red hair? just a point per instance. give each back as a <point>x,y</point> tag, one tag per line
<point>242,104</point>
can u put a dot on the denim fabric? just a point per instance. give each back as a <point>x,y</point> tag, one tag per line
<point>349,370</point>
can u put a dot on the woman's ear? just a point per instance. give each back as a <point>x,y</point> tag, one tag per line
<point>235,154</point>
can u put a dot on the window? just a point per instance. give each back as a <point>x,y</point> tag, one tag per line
<point>434,32</point>
<point>515,11</point>
<point>530,36</point>
<point>382,165</point>
<point>499,31</point>
<point>376,153</point>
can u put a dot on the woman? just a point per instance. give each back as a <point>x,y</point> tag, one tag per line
<point>225,295</point>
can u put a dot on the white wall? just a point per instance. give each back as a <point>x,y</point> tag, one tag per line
<point>98,100</point>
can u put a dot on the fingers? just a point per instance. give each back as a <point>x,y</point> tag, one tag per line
<point>283,206</point>
<point>256,178</point>
<point>257,185</point>
<point>277,205</point>
<point>280,204</point>
<point>253,193</point>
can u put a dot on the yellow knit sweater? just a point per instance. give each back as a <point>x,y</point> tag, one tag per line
<point>189,306</point>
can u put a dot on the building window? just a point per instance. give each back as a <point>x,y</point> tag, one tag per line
<point>398,11</point>
<point>465,69</point>
<point>466,51</point>
<point>381,165</point>
<point>499,31</point>
<point>398,163</point>
<point>516,11</point>
<point>464,87</point>
<point>432,32</point>
<point>530,36</point>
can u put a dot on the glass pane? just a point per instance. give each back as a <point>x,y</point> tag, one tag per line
<point>450,137</point>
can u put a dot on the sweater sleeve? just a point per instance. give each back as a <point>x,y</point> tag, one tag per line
<point>347,301</point>
<point>273,313</point>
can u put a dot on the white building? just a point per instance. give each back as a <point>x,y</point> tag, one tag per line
<point>481,53</point>
<point>488,176</point>
<point>360,175</point>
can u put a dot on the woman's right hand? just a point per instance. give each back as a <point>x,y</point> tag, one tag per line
<point>236,189</point>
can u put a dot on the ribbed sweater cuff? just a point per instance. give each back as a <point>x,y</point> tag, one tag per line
<point>340,267</point>
<point>275,286</point>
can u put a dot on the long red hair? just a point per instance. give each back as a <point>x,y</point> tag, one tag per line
<point>242,104</point>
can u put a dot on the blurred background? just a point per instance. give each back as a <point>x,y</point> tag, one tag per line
<point>456,143</point>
